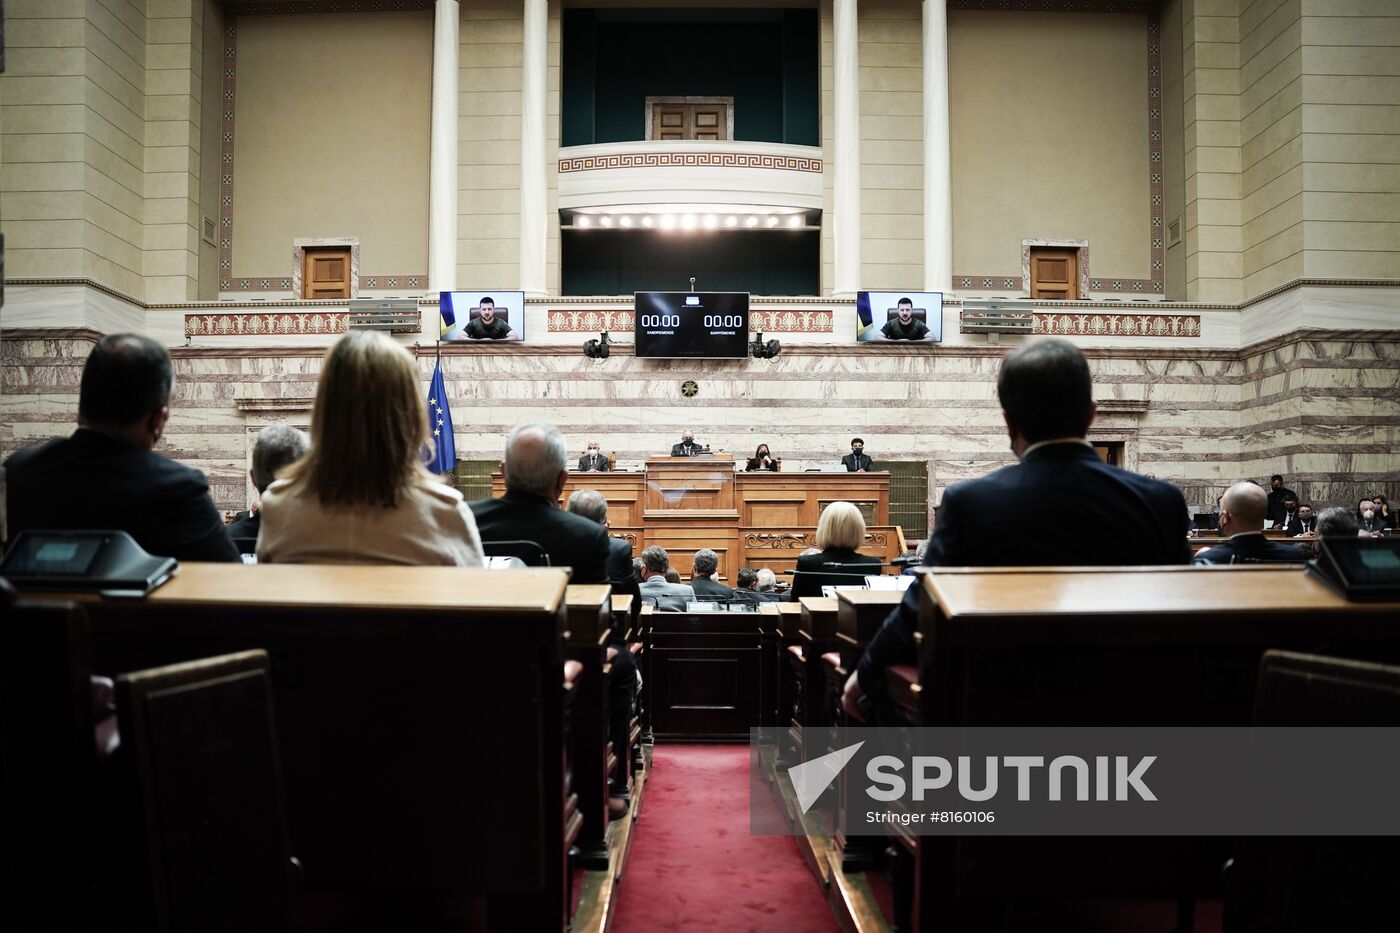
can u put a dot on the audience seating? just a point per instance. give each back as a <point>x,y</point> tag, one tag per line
<point>1303,884</point>
<point>49,769</point>
<point>530,553</point>
<point>704,674</point>
<point>202,800</point>
<point>591,756</point>
<point>1173,646</point>
<point>420,721</point>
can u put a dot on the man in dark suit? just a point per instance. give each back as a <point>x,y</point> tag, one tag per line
<point>1297,519</point>
<point>1277,494</point>
<point>702,571</point>
<point>1046,395</point>
<point>106,475</point>
<point>536,470</point>
<point>687,447</point>
<point>593,461</point>
<point>856,461</point>
<point>590,504</point>
<point>1242,518</point>
<point>278,446</point>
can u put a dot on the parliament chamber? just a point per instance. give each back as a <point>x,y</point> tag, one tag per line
<point>469,464</point>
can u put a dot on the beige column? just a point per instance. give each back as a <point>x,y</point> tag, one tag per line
<point>846,150</point>
<point>534,81</point>
<point>938,180</point>
<point>442,160</point>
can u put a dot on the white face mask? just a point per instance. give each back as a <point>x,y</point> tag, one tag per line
<point>1367,514</point>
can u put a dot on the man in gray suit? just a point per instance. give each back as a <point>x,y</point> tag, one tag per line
<point>672,596</point>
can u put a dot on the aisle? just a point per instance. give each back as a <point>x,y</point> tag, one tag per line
<point>694,866</point>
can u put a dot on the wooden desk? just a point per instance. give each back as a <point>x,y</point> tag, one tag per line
<point>754,520</point>
<point>860,613</point>
<point>704,674</point>
<point>420,719</point>
<point>1169,646</point>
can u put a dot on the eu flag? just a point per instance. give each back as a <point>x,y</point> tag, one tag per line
<point>444,458</point>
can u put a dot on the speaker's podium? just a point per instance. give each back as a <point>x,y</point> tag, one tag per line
<point>690,504</point>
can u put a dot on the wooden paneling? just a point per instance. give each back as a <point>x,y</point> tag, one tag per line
<point>325,272</point>
<point>705,674</point>
<point>1054,273</point>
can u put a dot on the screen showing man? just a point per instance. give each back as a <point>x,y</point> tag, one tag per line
<point>899,316</point>
<point>468,316</point>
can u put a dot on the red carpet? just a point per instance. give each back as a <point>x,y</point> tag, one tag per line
<point>694,865</point>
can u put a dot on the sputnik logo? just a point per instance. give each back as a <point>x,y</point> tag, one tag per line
<point>811,778</point>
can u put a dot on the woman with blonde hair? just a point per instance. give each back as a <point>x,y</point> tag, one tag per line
<point>362,494</point>
<point>839,532</point>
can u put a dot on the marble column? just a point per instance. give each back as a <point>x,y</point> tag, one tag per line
<point>938,179</point>
<point>534,81</point>
<point>846,150</point>
<point>442,161</point>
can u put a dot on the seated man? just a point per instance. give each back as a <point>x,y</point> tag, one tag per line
<point>748,588</point>
<point>655,563</point>
<point>1047,400</point>
<point>593,461</point>
<point>1335,522</point>
<point>687,447</point>
<point>1242,512</point>
<point>590,504</point>
<point>767,581</point>
<point>277,446</point>
<point>702,576</point>
<point>1292,523</point>
<point>106,475</point>
<point>536,469</point>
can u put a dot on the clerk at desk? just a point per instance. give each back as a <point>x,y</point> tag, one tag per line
<point>857,461</point>
<point>687,447</point>
<point>593,461</point>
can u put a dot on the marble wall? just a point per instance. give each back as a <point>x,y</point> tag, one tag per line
<point>1319,407</point>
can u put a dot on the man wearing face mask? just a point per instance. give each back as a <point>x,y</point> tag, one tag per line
<point>1046,394</point>
<point>687,447</point>
<point>1292,523</point>
<point>1242,520</point>
<point>1277,493</point>
<point>1307,520</point>
<point>1368,518</point>
<point>856,461</point>
<point>593,461</point>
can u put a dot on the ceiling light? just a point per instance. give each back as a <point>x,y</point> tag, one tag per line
<point>731,221</point>
<point>646,220</point>
<point>751,221</point>
<point>795,220</point>
<point>689,222</point>
<point>581,220</point>
<point>605,221</point>
<point>772,221</point>
<point>625,221</point>
<point>711,221</point>
<point>668,221</point>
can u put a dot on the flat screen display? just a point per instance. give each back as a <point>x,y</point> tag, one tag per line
<point>481,317</point>
<point>708,325</point>
<point>53,554</point>
<point>899,317</point>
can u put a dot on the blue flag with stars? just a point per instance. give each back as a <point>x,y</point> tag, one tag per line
<point>444,449</point>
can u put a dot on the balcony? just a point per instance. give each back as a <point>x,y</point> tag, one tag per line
<point>662,176</point>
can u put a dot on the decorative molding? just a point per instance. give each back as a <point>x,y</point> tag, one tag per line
<point>1157,250</point>
<point>689,160</point>
<point>266,324</point>
<point>588,322</point>
<point>264,405</point>
<point>1118,325</point>
<point>268,7</point>
<point>792,322</point>
<point>1121,406</point>
<point>776,541</point>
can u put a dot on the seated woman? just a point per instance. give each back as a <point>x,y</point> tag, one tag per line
<point>362,494</point>
<point>762,460</point>
<point>840,531</point>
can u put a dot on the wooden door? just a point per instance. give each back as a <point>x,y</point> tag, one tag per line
<point>689,121</point>
<point>325,272</point>
<point>1055,273</point>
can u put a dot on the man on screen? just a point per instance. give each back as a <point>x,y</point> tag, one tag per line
<point>904,326</point>
<point>487,326</point>
<point>687,447</point>
<point>593,461</point>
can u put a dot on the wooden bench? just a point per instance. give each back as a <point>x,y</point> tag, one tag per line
<point>1174,646</point>
<point>420,717</point>
<point>704,673</point>
<point>592,759</point>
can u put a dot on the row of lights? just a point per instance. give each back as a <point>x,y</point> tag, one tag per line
<point>688,221</point>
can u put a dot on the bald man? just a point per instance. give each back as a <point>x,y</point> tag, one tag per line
<point>1242,511</point>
